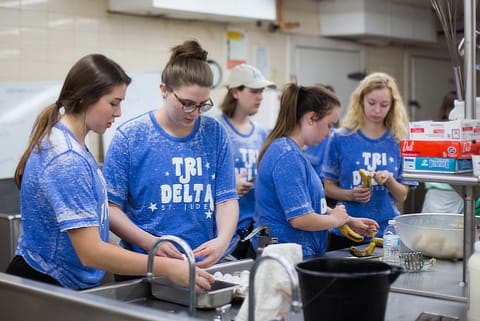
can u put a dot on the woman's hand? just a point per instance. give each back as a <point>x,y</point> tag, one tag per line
<point>381,177</point>
<point>361,194</point>
<point>339,215</point>
<point>169,250</point>
<point>365,226</point>
<point>243,186</point>
<point>179,274</point>
<point>211,250</point>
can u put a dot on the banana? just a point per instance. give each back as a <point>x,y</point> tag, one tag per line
<point>366,178</point>
<point>350,234</point>
<point>378,241</point>
<point>367,251</point>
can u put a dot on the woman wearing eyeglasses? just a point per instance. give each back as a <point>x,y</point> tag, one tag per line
<point>170,171</point>
<point>245,94</point>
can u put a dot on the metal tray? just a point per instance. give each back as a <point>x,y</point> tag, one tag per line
<point>231,267</point>
<point>221,293</point>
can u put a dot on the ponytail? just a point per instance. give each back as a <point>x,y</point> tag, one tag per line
<point>296,101</point>
<point>286,119</point>
<point>42,127</point>
<point>90,78</point>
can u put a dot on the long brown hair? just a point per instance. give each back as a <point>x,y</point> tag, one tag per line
<point>90,78</point>
<point>229,103</point>
<point>187,66</point>
<point>296,101</point>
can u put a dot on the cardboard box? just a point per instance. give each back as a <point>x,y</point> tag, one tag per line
<point>439,148</point>
<point>438,165</point>
<point>466,129</point>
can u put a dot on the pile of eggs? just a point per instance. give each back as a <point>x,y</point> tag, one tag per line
<point>239,277</point>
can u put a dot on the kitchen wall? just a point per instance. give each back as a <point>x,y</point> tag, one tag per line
<point>41,39</point>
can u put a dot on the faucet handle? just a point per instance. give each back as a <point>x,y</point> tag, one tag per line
<point>296,306</point>
<point>222,311</point>
<point>264,230</point>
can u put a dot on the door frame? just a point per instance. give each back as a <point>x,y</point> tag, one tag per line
<point>409,79</point>
<point>296,41</point>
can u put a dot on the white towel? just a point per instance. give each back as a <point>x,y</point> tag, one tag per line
<point>273,293</point>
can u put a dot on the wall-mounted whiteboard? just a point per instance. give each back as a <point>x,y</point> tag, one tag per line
<point>143,95</point>
<point>20,103</point>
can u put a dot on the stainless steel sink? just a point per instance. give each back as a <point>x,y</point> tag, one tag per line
<point>138,292</point>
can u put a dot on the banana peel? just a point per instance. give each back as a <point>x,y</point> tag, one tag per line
<point>378,241</point>
<point>367,251</point>
<point>366,178</point>
<point>350,234</point>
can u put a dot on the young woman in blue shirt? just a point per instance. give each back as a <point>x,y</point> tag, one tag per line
<point>170,171</point>
<point>245,94</point>
<point>289,192</point>
<point>368,139</point>
<point>63,196</point>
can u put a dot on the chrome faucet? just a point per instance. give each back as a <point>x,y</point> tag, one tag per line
<point>296,304</point>
<point>264,239</point>
<point>191,262</point>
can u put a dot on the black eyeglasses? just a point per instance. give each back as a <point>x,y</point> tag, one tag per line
<point>190,106</point>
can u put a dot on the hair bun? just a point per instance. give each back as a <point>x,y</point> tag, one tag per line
<point>189,49</point>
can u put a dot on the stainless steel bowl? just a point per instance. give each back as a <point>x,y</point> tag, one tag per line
<point>434,234</point>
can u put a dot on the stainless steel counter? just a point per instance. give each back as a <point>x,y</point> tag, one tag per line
<point>411,294</point>
<point>439,290</point>
<point>469,183</point>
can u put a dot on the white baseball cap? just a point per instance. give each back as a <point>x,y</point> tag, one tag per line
<point>248,76</point>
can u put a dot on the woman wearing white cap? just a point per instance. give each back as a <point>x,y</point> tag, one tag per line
<point>245,93</point>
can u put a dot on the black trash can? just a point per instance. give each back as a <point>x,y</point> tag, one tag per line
<point>340,289</point>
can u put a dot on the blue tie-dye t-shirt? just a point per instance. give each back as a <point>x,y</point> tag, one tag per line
<point>347,152</point>
<point>288,187</point>
<point>62,189</point>
<point>245,149</point>
<point>170,185</point>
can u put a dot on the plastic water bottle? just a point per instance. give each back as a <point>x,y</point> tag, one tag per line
<point>391,244</point>
<point>473,312</point>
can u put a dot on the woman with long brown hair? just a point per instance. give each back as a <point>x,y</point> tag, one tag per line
<point>289,192</point>
<point>63,196</point>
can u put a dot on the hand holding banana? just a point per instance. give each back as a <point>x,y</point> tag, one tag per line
<point>381,177</point>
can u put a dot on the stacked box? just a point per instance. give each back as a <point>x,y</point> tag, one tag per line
<point>446,147</point>
<point>439,165</point>
<point>437,148</point>
<point>466,129</point>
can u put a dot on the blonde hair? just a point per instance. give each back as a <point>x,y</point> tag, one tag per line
<point>296,101</point>
<point>396,119</point>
